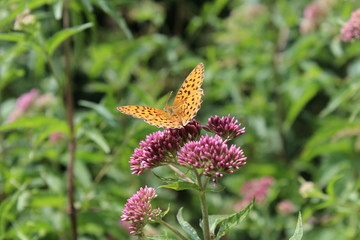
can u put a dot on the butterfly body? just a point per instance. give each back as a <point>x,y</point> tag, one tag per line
<point>184,108</point>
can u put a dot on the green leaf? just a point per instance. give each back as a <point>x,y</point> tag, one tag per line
<point>299,230</point>
<point>98,138</point>
<point>112,11</point>
<point>100,109</point>
<point>233,220</point>
<point>38,122</point>
<point>165,179</point>
<point>330,188</point>
<point>320,142</point>
<point>214,220</point>
<point>159,237</point>
<point>61,36</point>
<point>12,37</point>
<point>182,186</point>
<point>164,213</point>
<point>47,199</point>
<point>299,104</point>
<point>186,226</point>
<point>6,206</point>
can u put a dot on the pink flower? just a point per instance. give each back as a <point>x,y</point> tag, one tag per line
<point>26,99</point>
<point>139,211</point>
<point>351,29</point>
<point>23,103</point>
<point>159,148</point>
<point>313,13</point>
<point>226,127</point>
<point>285,207</point>
<point>308,189</point>
<point>55,136</point>
<point>257,188</point>
<point>213,155</point>
<point>44,100</point>
<point>14,115</point>
<point>23,19</point>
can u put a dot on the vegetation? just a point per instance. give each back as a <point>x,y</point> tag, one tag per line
<point>284,69</point>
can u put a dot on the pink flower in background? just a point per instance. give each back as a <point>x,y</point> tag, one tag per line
<point>313,13</point>
<point>125,225</point>
<point>351,29</point>
<point>14,115</point>
<point>44,100</point>
<point>31,99</point>
<point>139,211</point>
<point>257,188</point>
<point>23,19</point>
<point>55,136</point>
<point>23,103</point>
<point>285,207</point>
<point>307,189</point>
<point>26,99</point>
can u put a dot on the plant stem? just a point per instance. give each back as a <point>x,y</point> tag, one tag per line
<point>180,173</point>
<point>70,120</point>
<point>172,229</point>
<point>204,210</point>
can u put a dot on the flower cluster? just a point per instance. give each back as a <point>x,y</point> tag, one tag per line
<point>24,19</point>
<point>55,137</point>
<point>139,211</point>
<point>23,103</point>
<point>226,127</point>
<point>181,146</point>
<point>313,13</point>
<point>285,207</point>
<point>351,29</point>
<point>257,188</point>
<point>27,100</point>
<point>159,148</point>
<point>213,155</point>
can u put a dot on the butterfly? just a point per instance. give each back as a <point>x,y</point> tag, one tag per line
<point>184,108</point>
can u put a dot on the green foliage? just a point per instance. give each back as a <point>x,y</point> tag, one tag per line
<point>297,94</point>
<point>186,226</point>
<point>298,231</point>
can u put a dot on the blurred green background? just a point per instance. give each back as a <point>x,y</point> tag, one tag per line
<point>279,67</point>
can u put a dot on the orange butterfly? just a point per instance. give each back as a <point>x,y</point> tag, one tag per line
<point>184,108</point>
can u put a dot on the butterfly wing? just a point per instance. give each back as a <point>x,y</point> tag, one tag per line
<point>153,116</point>
<point>188,99</point>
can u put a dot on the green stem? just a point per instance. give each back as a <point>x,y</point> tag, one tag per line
<point>172,229</point>
<point>204,210</point>
<point>180,173</point>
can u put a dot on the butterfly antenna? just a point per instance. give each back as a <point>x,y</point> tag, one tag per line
<point>167,101</point>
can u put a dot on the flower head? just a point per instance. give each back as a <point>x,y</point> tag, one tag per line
<point>23,103</point>
<point>26,99</point>
<point>313,13</point>
<point>351,29</point>
<point>285,207</point>
<point>257,188</point>
<point>139,211</point>
<point>213,155</point>
<point>159,148</point>
<point>225,127</point>
<point>23,19</point>
<point>309,189</point>
<point>55,137</point>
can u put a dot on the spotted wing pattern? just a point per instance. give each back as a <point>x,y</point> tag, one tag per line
<point>188,99</point>
<point>153,116</point>
<point>186,104</point>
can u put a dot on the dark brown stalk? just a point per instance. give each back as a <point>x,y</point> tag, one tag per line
<point>70,121</point>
